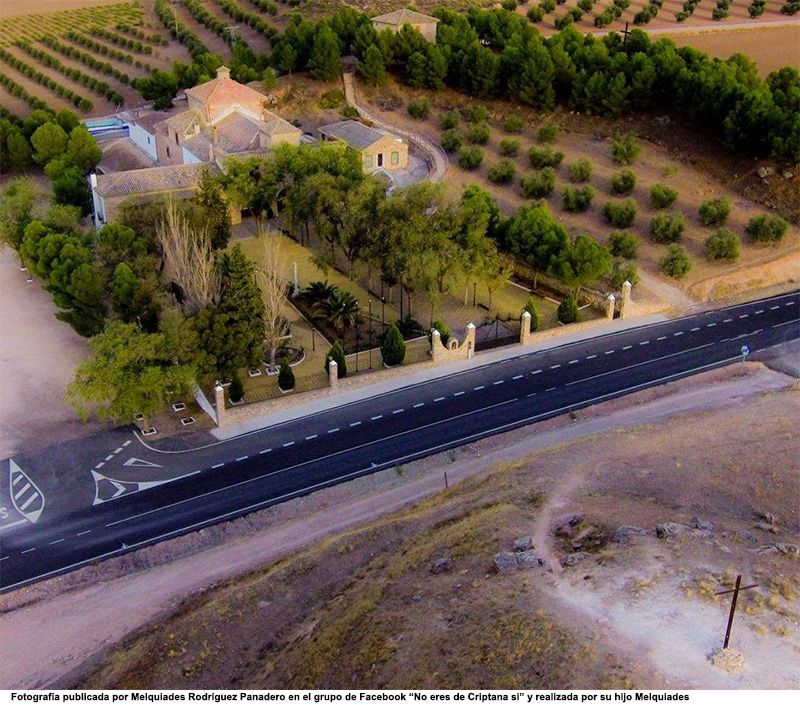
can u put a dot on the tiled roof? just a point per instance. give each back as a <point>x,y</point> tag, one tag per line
<point>400,17</point>
<point>182,120</point>
<point>356,134</point>
<point>149,120</point>
<point>155,179</point>
<point>232,89</point>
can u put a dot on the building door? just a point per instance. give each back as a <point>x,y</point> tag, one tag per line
<point>380,160</point>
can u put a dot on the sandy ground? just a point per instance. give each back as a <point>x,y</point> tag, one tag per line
<point>37,357</point>
<point>57,631</point>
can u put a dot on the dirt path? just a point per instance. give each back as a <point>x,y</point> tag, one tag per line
<point>44,642</point>
<point>666,292</point>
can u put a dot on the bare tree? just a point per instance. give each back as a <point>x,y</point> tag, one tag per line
<point>273,288</point>
<point>188,259</point>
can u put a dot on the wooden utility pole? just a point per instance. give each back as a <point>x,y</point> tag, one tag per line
<point>625,34</point>
<point>737,588</point>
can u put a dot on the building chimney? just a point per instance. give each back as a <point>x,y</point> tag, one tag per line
<point>223,72</point>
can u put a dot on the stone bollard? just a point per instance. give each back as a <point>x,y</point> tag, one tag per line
<point>625,302</point>
<point>333,373</point>
<point>219,399</point>
<point>469,341</point>
<point>436,345</point>
<point>610,301</point>
<point>525,327</point>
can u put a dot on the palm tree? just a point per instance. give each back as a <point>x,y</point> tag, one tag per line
<point>340,308</point>
<point>320,291</point>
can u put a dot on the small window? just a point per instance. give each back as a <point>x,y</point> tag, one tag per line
<point>148,140</point>
<point>176,138</point>
<point>380,159</point>
<point>368,161</point>
<point>395,158</point>
<point>167,151</point>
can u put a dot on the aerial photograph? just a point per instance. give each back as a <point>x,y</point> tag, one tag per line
<point>360,350</point>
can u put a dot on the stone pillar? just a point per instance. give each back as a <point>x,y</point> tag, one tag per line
<point>436,345</point>
<point>525,327</point>
<point>610,301</point>
<point>469,341</point>
<point>219,399</point>
<point>333,373</point>
<point>625,302</point>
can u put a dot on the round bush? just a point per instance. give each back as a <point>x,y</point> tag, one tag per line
<point>548,133</point>
<point>477,113</point>
<point>623,182</point>
<point>676,263</point>
<point>623,271</point>
<point>620,214</point>
<point>662,196</point>
<point>419,109</point>
<point>539,184</point>
<point>580,170</point>
<point>285,376</point>
<point>470,159</point>
<point>478,133</point>
<point>623,243</point>
<point>540,158</point>
<point>509,147</point>
<point>624,149</point>
<point>577,200</point>
<point>451,140</point>
<point>450,119</point>
<point>715,211</point>
<point>513,123</point>
<point>667,228</point>
<point>393,347</point>
<point>722,244</point>
<point>503,172</point>
<point>766,229</point>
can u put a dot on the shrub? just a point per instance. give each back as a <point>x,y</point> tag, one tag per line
<point>285,376</point>
<point>715,211</point>
<point>540,158</point>
<point>564,22</point>
<point>513,123</point>
<point>623,243</point>
<point>548,133</point>
<point>331,99</point>
<point>767,229</point>
<point>477,113</point>
<point>530,307</point>
<point>666,228</point>
<point>568,310</point>
<point>510,5</point>
<point>503,172</point>
<point>722,244</point>
<point>470,159</point>
<point>478,133</point>
<point>336,353</point>
<point>623,181</point>
<point>625,149</point>
<point>577,200</point>
<point>393,347</point>
<point>535,14</point>
<point>419,109</point>
<point>548,5</point>
<point>444,331</point>
<point>451,140</point>
<point>539,184</point>
<point>576,13</point>
<point>350,112</point>
<point>620,214</point>
<point>676,263</point>
<point>643,16</point>
<point>662,196</point>
<point>586,5</point>
<point>509,148</point>
<point>621,272</point>
<point>580,170</point>
<point>450,119</point>
<point>720,13</point>
<point>236,390</point>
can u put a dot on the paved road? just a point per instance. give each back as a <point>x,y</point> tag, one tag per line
<point>135,496</point>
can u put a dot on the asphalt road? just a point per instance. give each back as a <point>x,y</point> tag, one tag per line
<point>136,496</point>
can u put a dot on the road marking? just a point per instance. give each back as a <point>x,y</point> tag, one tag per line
<point>416,406</point>
<point>83,533</point>
<point>108,457</point>
<point>774,308</point>
<point>439,399</point>
<point>572,362</point>
<point>790,303</point>
<point>785,323</point>
<point>695,329</point>
<point>535,372</point>
<point>333,430</point>
<point>744,315</point>
<point>24,489</point>
<point>28,550</point>
<point>608,352</point>
<point>17,477</point>
<point>28,502</point>
<point>266,450</point>
<point>126,444</point>
<point>376,418</point>
<point>532,394</point>
<point>290,443</point>
<point>357,423</point>
<point>550,390</point>
<point>311,438</point>
<point>759,311</point>
<point>99,465</point>
<point>663,337</point>
<point>554,367</point>
<point>458,394</point>
<point>727,320</point>
<point>518,377</point>
<point>627,347</point>
<point>645,342</point>
<point>680,332</point>
<point>499,381</point>
<point>139,463</point>
<point>591,357</point>
<point>4,558</point>
<point>53,543</point>
<point>244,457</point>
<point>710,325</point>
<point>118,450</point>
<point>478,388</point>
<point>218,465</point>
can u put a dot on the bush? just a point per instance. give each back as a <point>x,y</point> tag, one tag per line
<point>576,13</point>
<point>666,228</point>
<point>478,133</point>
<point>676,263</point>
<point>767,229</point>
<point>444,331</point>
<point>548,5</point>
<point>419,109</point>
<point>450,119</point>
<point>503,172</point>
<point>580,170</point>
<point>540,158</point>
<point>236,390</point>
<point>336,353</point>
<point>393,347</point>
<point>470,159</point>
<point>539,184</point>
<point>530,307</point>
<point>621,272</point>
<point>623,182</point>
<point>625,149</point>
<point>350,112</point>
<point>451,140</point>
<point>564,22</point>
<point>715,211</point>
<point>513,123</point>
<point>285,376</point>
<point>535,14</point>
<point>620,215</point>
<point>577,200</point>
<point>477,113</point>
<point>586,5</point>
<point>662,196</point>
<point>509,148</point>
<point>722,244</point>
<point>331,99</point>
<point>623,243</point>
<point>548,133</point>
<point>643,16</point>
<point>568,310</point>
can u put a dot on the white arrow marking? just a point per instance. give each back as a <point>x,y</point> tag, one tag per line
<point>126,488</point>
<point>139,463</point>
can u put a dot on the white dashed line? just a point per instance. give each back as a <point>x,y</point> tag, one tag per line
<point>727,320</point>
<point>218,465</point>
<point>774,308</point>
<point>396,411</point>
<point>266,450</point>
<point>608,352</point>
<point>358,423</point>
<point>333,430</point>
<point>627,347</point>
<point>499,381</point>
<point>118,450</point>
<point>478,388</point>
<point>517,377</point>
<point>760,311</point>
<point>572,362</point>
<point>83,533</point>
<point>550,389</point>
<point>535,372</point>
<point>28,550</point>
<point>791,303</point>
<point>554,367</point>
<point>710,325</point>
<point>108,457</point>
<point>645,342</point>
<point>376,418</point>
<point>680,332</point>
<point>458,394</point>
<point>290,443</point>
<point>591,357</point>
<point>439,399</point>
<point>695,329</point>
<point>244,457</point>
<point>532,394</point>
<point>663,337</point>
<point>416,406</point>
<point>312,437</point>
<point>4,558</point>
<point>53,543</point>
<point>744,315</point>
<point>99,465</point>
<point>126,444</point>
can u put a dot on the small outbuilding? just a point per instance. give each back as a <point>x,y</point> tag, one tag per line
<point>379,150</point>
<point>425,24</point>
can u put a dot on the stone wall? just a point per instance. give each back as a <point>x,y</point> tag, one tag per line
<point>596,299</point>
<point>453,350</point>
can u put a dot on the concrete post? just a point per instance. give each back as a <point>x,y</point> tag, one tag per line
<point>610,301</point>
<point>470,340</point>
<point>436,345</point>
<point>333,373</point>
<point>219,399</point>
<point>525,327</point>
<point>625,302</point>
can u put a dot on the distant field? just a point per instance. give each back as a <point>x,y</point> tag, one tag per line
<point>13,8</point>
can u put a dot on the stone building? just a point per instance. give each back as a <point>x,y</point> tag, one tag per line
<point>379,150</point>
<point>395,21</point>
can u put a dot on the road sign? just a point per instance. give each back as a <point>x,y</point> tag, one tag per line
<point>745,350</point>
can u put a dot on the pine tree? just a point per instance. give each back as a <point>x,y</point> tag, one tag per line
<point>325,62</point>
<point>393,347</point>
<point>568,310</point>
<point>216,211</point>
<point>285,376</point>
<point>236,390</point>
<point>530,307</point>
<point>372,69</point>
<point>336,353</point>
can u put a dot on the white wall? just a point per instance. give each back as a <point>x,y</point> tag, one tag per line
<point>189,158</point>
<point>144,140</point>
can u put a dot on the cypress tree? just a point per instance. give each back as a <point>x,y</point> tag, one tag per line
<point>285,376</point>
<point>393,347</point>
<point>336,353</point>
<point>530,307</point>
<point>568,310</point>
